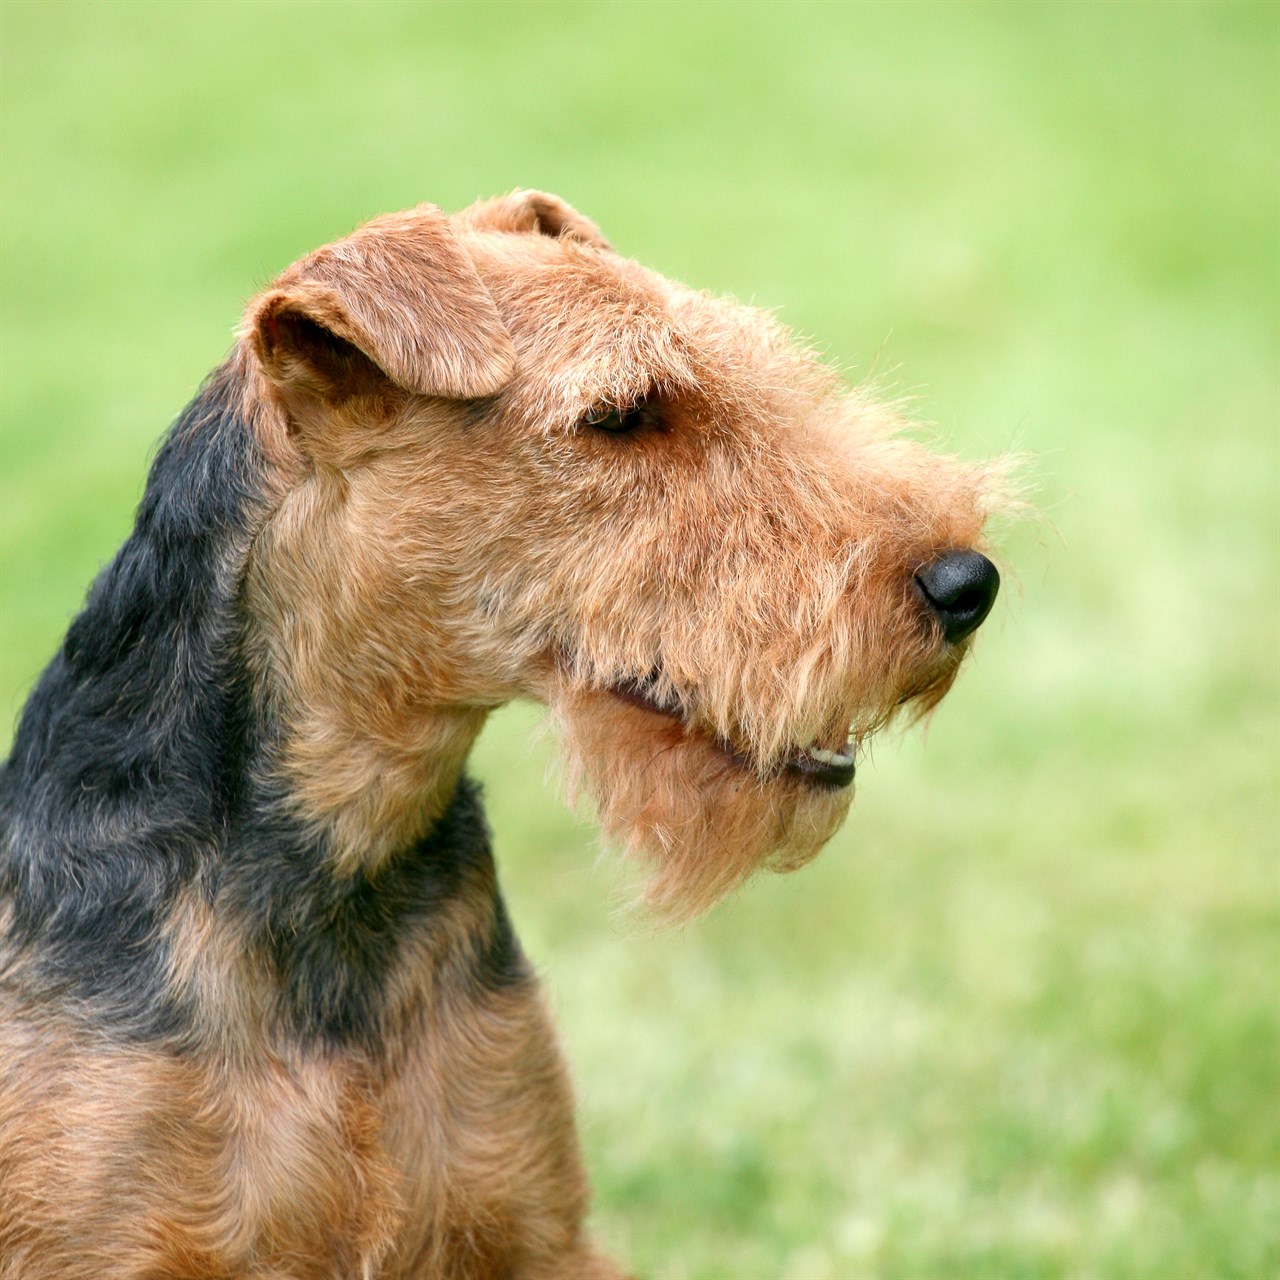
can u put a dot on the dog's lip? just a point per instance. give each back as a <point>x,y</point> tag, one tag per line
<point>820,766</point>
<point>835,770</point>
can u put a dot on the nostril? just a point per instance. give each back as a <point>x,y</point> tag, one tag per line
<point>960,587</point>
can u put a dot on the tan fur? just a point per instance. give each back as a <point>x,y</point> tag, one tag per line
<point>123,1163</point>
<point>445,533</point>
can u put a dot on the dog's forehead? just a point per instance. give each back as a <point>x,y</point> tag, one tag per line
<point>590,325</point>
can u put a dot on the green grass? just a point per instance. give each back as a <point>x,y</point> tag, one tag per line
<point>1021,1018</point>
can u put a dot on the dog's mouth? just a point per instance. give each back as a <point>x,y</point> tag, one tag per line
<point>829,764</point>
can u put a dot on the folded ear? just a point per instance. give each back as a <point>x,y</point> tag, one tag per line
<point>397,301</point>
<point>532,211</point>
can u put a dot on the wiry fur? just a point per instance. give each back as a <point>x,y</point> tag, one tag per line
<point>261,1009</point>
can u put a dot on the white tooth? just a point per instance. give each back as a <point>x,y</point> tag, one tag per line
<point>821,753</point>
<point>841,759</point>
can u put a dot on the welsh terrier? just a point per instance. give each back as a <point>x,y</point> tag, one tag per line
<point>262,1010</point>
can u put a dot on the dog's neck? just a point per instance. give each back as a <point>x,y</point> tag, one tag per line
<point>140,727</point>
<point>368,754</point>
<point>162,765</point>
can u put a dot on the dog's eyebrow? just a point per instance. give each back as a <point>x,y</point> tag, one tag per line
<point>625,397</point>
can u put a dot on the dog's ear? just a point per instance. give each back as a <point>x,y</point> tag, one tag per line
<point>532,211</point>
<point>397,301</point>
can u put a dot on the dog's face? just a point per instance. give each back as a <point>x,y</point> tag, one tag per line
<point>552,473</point>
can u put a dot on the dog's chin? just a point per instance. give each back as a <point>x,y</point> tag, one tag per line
<point>695,813</point>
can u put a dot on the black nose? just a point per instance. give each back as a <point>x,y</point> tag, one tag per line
<point>960,587</point>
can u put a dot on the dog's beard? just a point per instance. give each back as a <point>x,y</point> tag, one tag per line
<point>698,820</point>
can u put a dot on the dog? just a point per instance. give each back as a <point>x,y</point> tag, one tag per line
<point>262,1010</point>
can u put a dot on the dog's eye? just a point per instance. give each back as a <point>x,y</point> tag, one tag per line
<point>608,417</point>
<point>619,419</point>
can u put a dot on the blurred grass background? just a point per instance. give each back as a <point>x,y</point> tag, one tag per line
<point>1020,1020</point>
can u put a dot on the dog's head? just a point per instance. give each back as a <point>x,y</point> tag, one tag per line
<point>517,464</point>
